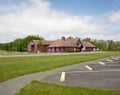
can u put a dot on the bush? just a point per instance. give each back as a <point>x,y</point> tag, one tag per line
<point>77,50</point>
<point>69,49</point>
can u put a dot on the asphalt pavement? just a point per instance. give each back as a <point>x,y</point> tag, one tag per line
<point>105,75</point>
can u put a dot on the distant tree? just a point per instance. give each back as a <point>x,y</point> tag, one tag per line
<point>28,39</point>
<point>17,44</point>
<point>116,46</point>
<point>110,44</point>
<point>70,37</point>
<point>8,46</point>
<point>101,44</point>
<point>88,39</point>
<point>20,44</point>
<point>2,46</point>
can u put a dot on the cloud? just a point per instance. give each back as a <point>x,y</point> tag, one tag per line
<point>114,17</point>
<point>37,18</point>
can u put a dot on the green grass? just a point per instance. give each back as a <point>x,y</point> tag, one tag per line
<point>17,66</point>
<point>4,52</point>
<point>38,88</point>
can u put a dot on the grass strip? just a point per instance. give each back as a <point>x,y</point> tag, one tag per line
<point>39,88</point>
<point>18,66</point>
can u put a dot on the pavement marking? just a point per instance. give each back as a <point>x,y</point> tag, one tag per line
<point>88,67</point>
<point>62,78</point>
<point>102,63</point>
<point>109,60</point>
<point>114,70</point>
<point>115,58</point>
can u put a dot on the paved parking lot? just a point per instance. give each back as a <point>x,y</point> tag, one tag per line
<point>104,73</point>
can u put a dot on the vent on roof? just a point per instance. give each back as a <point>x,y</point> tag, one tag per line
<point>63,38</point>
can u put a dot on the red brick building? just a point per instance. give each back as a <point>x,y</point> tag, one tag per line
<point>61,45</point>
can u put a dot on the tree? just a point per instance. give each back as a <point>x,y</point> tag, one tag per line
<point>41,46</point>
<point>17,45</point>
<point>28,39</point>
<point>2,46</point>
<point>101,44</point>
<point>115,46</point>
<point>8,46</point>
<point>70,37</point>
<point>110,45</point>
<point>88,39</point>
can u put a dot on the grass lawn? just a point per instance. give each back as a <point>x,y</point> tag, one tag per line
<point>17,66</point>
<point>4,52</point>
<point>38,88</point>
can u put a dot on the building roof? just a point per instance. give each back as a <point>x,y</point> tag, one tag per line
<point>87,44</point>
<point>45,42</point>
<point>64,43</point>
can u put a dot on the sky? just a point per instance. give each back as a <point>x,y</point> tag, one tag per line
<point>51,19</point>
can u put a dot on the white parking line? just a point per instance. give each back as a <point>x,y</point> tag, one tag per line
<point>115,58</point>
<point>88,67</point>
<point>114,70</point>
<point>109,60</point>
<point>102,63</point>
<point>62,78</point>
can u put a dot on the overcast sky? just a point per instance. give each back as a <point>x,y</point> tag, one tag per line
<point>51,19</point>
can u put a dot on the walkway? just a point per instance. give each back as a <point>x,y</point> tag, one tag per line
<point>43,54</point>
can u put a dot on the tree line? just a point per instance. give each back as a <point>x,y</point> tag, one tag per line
<point>21,44</point>
<point>105,45</point>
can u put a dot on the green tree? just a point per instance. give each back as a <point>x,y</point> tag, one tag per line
<point>28,39</point>
<point>2,46</point>
<point>116,46</point>
<point>20,44</point>
<point>8,46</point>
<point>70,37</point>
<point>101,44</point>
<point>88,39</point>
<point>110,45</point>
<point>41,46</point>
<point>17,45</point>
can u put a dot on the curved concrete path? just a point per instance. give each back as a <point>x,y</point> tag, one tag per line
<point>12,86</point>
<point>43,54</point>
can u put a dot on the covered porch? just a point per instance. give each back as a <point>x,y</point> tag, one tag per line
<point>63,49</point>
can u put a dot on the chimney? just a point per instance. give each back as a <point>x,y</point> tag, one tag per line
<point>63,38</point>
